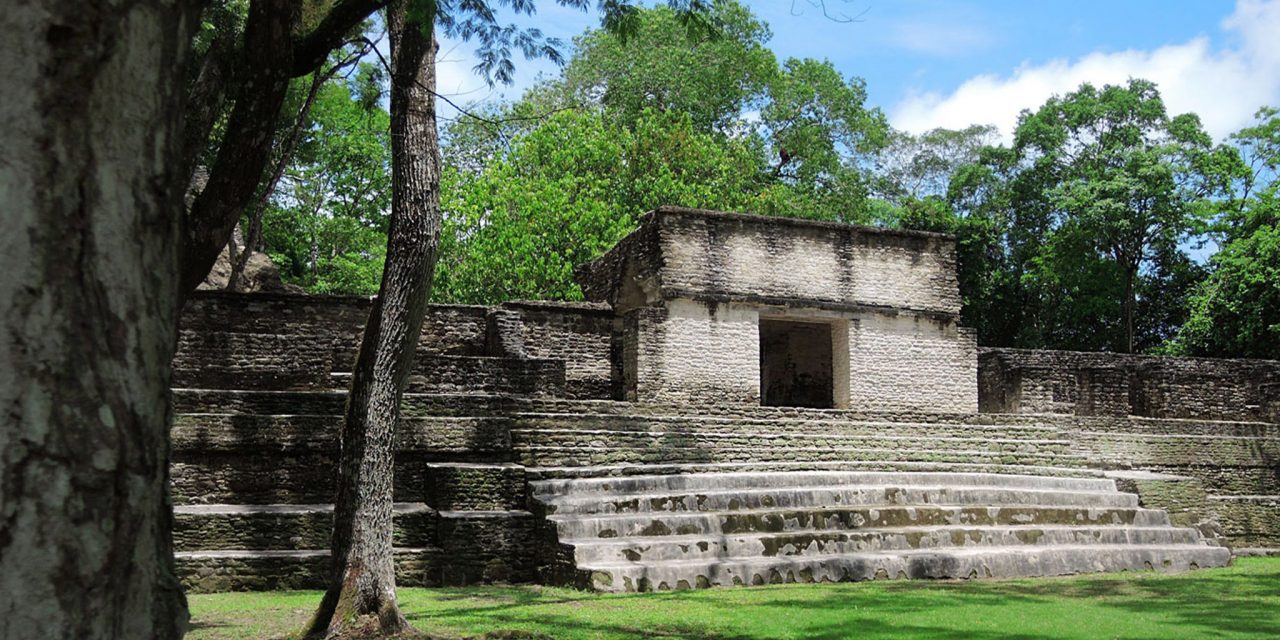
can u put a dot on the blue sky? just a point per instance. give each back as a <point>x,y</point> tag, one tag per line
<point>951,63</point>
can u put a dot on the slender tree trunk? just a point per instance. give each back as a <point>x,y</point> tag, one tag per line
<point>90,185</point>
<point>361,594</point>
<point>1130,275</point>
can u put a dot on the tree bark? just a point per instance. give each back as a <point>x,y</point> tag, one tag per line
<point>90,182</point>
<point>361,593</point>
<point>1130,303</point>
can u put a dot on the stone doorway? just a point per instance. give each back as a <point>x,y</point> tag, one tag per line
<point>796,364</point>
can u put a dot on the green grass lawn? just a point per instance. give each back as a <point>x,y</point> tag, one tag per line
<point>1241,601</point>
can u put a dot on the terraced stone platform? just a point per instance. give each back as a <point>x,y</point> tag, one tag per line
<point>657,532</point>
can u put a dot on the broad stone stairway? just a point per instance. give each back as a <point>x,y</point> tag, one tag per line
<point>649,499</point>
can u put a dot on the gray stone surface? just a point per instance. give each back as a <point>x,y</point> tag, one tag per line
<point>516,461</point>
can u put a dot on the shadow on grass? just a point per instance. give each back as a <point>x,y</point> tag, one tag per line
<point>1138,606</point>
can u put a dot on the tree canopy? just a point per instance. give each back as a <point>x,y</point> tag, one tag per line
<point>1080,234</point>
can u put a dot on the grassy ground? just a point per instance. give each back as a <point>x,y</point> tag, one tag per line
<point>1241,601</point>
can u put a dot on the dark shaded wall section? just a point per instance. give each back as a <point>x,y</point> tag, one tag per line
<point>298,342</point>
<point>1108,384</point>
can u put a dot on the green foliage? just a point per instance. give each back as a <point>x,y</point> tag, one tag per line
<point>1236,311</point>
<point>822,137</point>
<point>326,226</point>
<point>912,167</point>
<point>1240,601</point>
<point>566,192</point>
<point>661,65</point>
<point>1095,198</point>
<point>664,115</point>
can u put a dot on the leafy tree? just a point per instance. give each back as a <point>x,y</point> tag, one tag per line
<point>668,115</point>
<point>1098,192</point>
<point>567,191</point>
<point>914,167</point>
<point>1235,312</point>
<point>326,228</point>
<point>822,139</point>
<point>712,76</point>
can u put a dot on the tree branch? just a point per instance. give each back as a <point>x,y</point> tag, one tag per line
<point>311,50</point>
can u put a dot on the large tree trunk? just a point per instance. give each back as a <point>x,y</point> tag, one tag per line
<point>361,594</point>
<point>90,181</point>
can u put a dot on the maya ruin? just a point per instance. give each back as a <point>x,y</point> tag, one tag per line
<point>743,400</point>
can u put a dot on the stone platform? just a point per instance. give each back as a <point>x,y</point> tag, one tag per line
<point>748,401</point>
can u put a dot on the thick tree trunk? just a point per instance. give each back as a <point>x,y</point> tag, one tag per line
<point>90,183</point>
<point>361,592</point>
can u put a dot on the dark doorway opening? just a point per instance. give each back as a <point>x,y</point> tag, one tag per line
<point>795,364</point>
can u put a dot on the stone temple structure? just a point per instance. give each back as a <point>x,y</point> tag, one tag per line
<point>745,400</point>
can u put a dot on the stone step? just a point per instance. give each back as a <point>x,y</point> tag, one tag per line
<point>333,401</point>
<point>734,499</point>
<point>531,440</point>
<point>1142,450</point>
<point>823,543</point>
<point>480,374</point>
<point>607,471</point>
<point>231,360</point>
<point>298,477</point>
<point>1137,426</point>
<point>279,570</point>
<point>284,526</point>
<point>676,452</point>
<point>575,528</point>
<point>604,410</point>
<point>607,486</point>
<point>983,562</point>
<point>781,426</point>
<point>257,433</point>
<point>1247,521</point>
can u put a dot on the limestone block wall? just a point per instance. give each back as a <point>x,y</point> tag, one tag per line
<point>579,334</point>
<point>711,255</point>
<point>910,363</point>
<point>746,256</point>
<point>693,352</point>
<point>1067,382</point>
<point>1234,464</point>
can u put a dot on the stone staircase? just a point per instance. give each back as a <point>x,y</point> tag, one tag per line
<point>660,499</point>
<point>501,477</point>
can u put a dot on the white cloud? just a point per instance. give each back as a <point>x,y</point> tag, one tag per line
<point>1223,84</point>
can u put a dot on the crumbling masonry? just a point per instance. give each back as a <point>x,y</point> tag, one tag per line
<point>746,400</point>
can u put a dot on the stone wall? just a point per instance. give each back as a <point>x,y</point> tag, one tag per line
<point>1068,382</point>
<point>911,363</point>
<point>579,334</point>
<point>1233,465</point>
<point>709,255</point>
<point>694,352</point>
<point>259,397</point>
